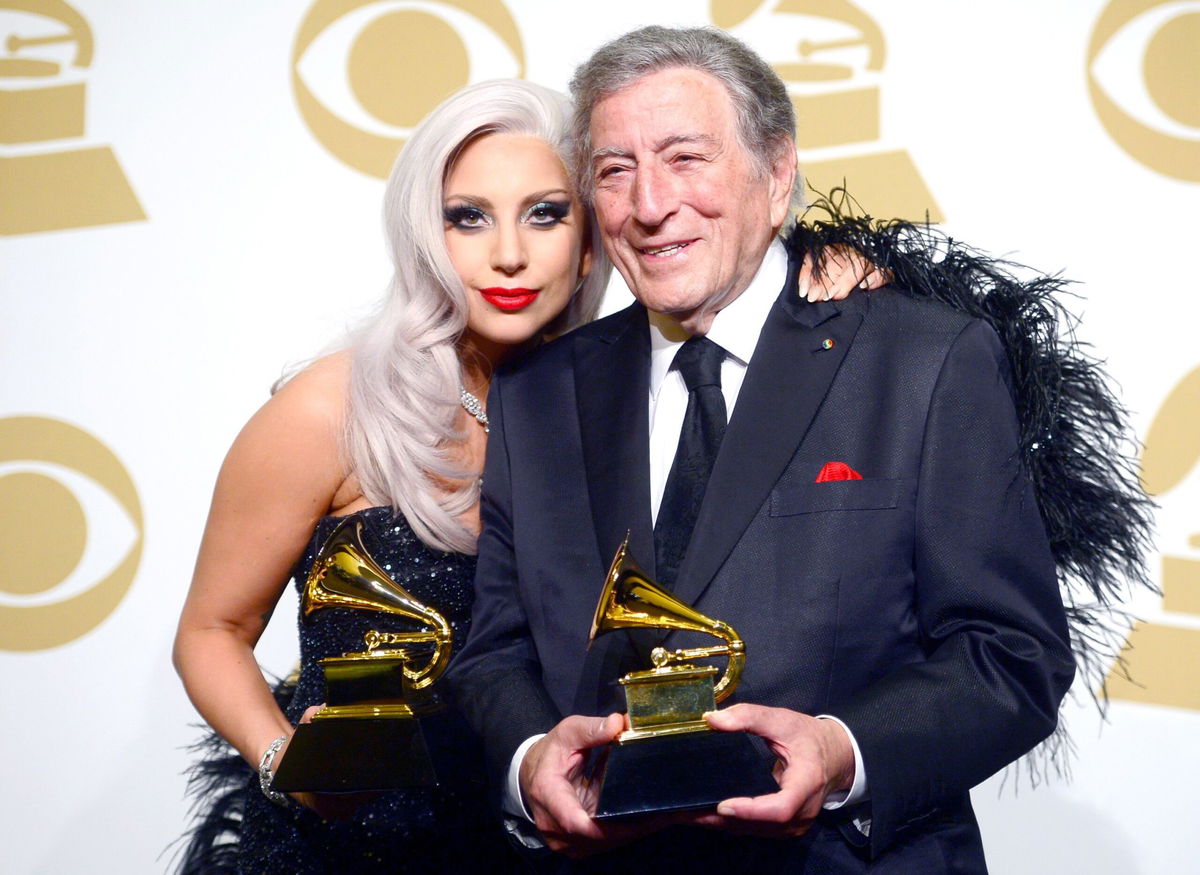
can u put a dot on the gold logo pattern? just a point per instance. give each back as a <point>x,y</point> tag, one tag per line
<point>1162,657</point>
<point>46,185</point>
<point>833,76</point>
<point>1145,84</point>
<point>388,64</point>
<point>44,533</point>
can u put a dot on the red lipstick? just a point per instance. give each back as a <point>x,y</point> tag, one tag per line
<point>509,299</point>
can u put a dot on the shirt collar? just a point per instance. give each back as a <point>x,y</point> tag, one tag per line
<point>735,328</point>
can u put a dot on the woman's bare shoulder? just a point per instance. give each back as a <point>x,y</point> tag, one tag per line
<point>319,389</point>
<point>317,396</point>
<point>293,444</point>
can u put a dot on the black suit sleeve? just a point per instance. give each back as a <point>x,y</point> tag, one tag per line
<point>496,679</point>
<point>987,605</point>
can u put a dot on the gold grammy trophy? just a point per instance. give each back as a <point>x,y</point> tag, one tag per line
<point>669,759</point>
<point>369,735</point>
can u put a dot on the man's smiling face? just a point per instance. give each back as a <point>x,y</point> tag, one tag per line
<point>685,211</point>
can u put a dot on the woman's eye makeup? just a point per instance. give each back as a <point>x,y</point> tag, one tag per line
<point>465,216</point>
<point>547,213</point>
<point>543,214</point>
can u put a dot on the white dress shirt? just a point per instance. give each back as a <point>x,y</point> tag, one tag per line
<point>735,329</point>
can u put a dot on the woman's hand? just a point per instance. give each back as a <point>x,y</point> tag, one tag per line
<point>842,270</point>
<point>329,806</point>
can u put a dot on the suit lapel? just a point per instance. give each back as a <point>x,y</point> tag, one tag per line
<point>612,379</point>
<point>788,378</point>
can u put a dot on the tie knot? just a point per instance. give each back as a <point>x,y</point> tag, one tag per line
<point>699,362</point>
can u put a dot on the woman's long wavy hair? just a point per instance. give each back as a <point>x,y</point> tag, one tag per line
<point>406,373</point>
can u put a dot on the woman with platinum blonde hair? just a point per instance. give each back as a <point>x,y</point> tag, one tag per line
<point>412,358</point>
<point>492,253</point>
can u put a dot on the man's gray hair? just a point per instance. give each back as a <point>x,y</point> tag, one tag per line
<point>765,117</point>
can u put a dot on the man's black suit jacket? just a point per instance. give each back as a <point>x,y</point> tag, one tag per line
<point>918,604</point>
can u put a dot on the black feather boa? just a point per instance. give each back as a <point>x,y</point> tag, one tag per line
<point>217,782</point>
<point>1075,438</point>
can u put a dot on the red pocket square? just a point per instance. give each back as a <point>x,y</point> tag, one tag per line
<point>837,471</point>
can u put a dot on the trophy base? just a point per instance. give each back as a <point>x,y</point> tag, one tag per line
<point>691,771</point>
<point>356,756</point>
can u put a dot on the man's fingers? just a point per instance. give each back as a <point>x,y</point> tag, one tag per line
<point>566,815</point>
<point>791,812</point>
<point>578,835</point>
<point>551,776</point>
<point>761,720</point>
<point>779,807</point>
<point>560,816</point>
<point>761,828</point>
<point>551,773</point>
<point>801,771</point>
<point>582,733</point>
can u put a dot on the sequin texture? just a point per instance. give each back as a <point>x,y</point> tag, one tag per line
<point>439,829</point>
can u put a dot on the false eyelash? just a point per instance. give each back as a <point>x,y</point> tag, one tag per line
<point>459,214</point>
<point>557,210</point>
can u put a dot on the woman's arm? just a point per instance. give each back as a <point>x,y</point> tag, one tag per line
<point>283,473</point>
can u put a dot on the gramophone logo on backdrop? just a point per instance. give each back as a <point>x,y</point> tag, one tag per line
<point>70,532</point>
<point>47,181</point>
<point>833,73</point>
<point>1144,82</point>
<point>1162,657</point>
<point>366,71</point>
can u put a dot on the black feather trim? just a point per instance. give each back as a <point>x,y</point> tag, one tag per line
<point>217,782</point>
<point>1075,438</point>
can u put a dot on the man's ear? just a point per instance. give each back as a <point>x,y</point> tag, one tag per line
<point>783,177</point>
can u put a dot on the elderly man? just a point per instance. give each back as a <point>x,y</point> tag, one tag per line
<point>866,525</point>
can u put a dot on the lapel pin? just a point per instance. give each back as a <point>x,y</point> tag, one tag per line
<point>827,343</point>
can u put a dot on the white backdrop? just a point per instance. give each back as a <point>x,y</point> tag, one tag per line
<point>152,292</point>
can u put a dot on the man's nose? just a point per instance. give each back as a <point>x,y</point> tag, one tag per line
<point>509,255</point>
<point>655,196</point>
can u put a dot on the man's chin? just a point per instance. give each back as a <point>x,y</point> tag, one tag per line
<point>692,319</point>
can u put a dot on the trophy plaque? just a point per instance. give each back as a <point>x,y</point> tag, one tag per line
<point>669,759</point>
<point>381,713</point>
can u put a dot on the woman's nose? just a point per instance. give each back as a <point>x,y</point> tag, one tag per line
<point>508,254</point>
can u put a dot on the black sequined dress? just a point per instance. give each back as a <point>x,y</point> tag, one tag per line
<point>441,829</point>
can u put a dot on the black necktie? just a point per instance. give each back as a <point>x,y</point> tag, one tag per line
<point>699,362</point>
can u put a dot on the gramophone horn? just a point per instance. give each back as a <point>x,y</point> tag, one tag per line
<point>631,600</point>
<point>344,575</point>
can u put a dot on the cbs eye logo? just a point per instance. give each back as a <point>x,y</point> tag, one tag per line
<point>70,533</point>
<point>365,72</point>
<point>1144,85</point>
